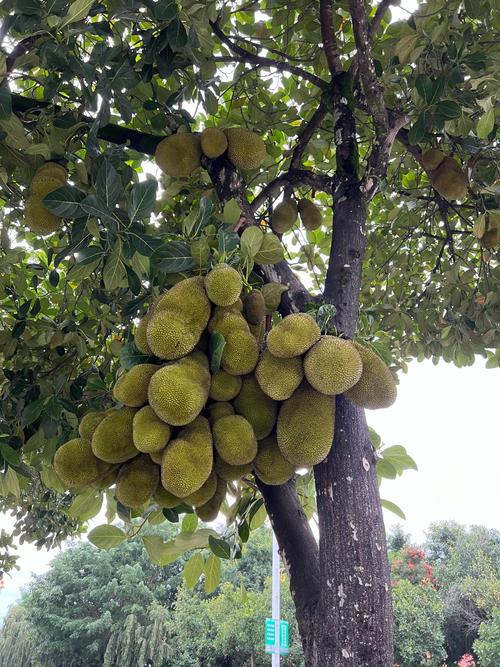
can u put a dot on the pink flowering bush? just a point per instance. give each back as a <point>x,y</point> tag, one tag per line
<point>467,660</point>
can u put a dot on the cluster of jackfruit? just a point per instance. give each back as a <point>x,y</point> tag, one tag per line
<point>445,174</point>
<point>179,155</point>
<point>217,400</point>
<point>286,212</point>
<point>49,177</point>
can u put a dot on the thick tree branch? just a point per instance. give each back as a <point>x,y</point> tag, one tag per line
<point>328,36</point>
<point>319,182</point>
<point>306,133</point>
<point>379,15</point>
<point>376,169</point>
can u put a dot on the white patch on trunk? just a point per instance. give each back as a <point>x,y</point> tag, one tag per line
<point>330,492</point>
<point>354,531</point>
<point>379,548</point>
<point>341,594</point>
<point>349,479</point>
<point>366,465</point>
<point>346,654</point>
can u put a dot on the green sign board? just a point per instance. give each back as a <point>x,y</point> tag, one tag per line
<point>276,640</point>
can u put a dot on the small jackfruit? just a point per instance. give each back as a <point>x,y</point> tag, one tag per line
<point>38,218</point>
<point>279,378</point>
<point>226,321</point>
<point>177,392</point>
<point>217,410</point>
<point>234,440</point>
<point>449,180</point>
<point>254,307</point>
<point>432,158</point>
<point>213,142</point>
<point>210,510</point>
<point>223,285</point>
<point>76,465</point>
<point>376,387</point>
<point>333,365</point>
<point>179,155</point>
<point>293,336</point>
<point>258,331</point>
<point>188,460</point>
<point>310,215</point>
<point>284,216</point>
<point>306,427</point>
<point>245,149</point>
<point>140,337</point>
<point>137,481</point>
<point>112,440</point>
<point>224,387</point>
<point>106,478</point>
<point>166,499</point>
<point>89,423</point>
<point>204,493</point>
<point>231,473</point>
<point>270,465</point>
<point>240,353</point>
<point>150,433</point>
<point>253,404</point>
<point>157,456</point>
<point>131,388</point>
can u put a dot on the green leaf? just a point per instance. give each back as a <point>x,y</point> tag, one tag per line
<point>219,547</point>
<point>216,348</point>
<point>485,124</point>
<point>145,244</point>
<point>258,519</point>
<point>160,552</point>
<point>449,109</point>
<point>86,505</point>
<point>115,274</point>
<point>94,206</point>
<point>173,257</point>
<point>77,11</point>
<point>176,35</point>
<point>392,507</point>
<point>386,469</point>
<point>31,412</point>
<point>65,202</point>
<point>212,573</point>
<point>251,241</point>
<point>196,540</point>
<point>5,103</point>
<point>227,240</point>
<point>271,250</point>
<point>106,536</point>
<point>130,356</point>
<point>10,455</point>
<point>108,184</point>
<point>80,271</point>
<point>142,199</point>
<point>9,484</point>
<point>232,212</point>
<point>189,523</point>
<point>193,570</point>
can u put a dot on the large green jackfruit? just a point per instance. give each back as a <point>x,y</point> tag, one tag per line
<point>310,215</point>
<point>179,155</point>
<point>140,337</point>
<point>245,149</point>
<point>284,216</point>
<point>89,423</point>
<point>38,218</point>
<point>210,510</point>
<point>76,465</point>
<point>151,434</point>
<point>52,169</point>
<point>220,409</point>
<point>376,387</point>
<point>449,180</point>
<point>49,177</point>
<point>240,353</point>
<point>166,499</point>
<point>188,460</point>
<point>224,387</point>
<point>432,158</point>
<point>106,478</point>
<point>306,426</point>
<point>157,456</point>
<point>213,142</point>
<point>270,465</point>
<point>278,377</point>
<point>333,365</point>
<point>223,285</point>
<point>226,321</point>
<point>253,404</point>
<point>231,473</point>
<point>234,440</point>
<point>131,388</point>
<point>113,438</point>
<point>137,481</point>
<point>179,391</point>
<point>204,493</point>
<point>293,336</point>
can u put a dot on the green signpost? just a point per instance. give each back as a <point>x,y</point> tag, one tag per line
<point>276,642</point>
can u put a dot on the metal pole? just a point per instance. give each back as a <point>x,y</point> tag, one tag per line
<point>276,598</point>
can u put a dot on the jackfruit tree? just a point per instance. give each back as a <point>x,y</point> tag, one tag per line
<point>226,227</point>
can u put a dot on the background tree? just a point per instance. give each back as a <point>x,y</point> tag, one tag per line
<point>347,101</point>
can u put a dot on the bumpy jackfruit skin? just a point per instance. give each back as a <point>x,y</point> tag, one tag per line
<point>279,378</point>
<point>223,285</point>
<point>131,388</point>
<point>106,478</point>
<point>270,465</point>
<point>137,481</point>
<point>204,493</point>
<point>240,354</point>
<point>253,404</point>
<point>38,218</point>
<point>284,216</point>
<point>376,387</point>
<point>333,365</point>
<point>255,307</point>
<point>449,180</point>
<point>76,465</point>
<point>140,337</point>
<point>150,433</point>
<point>293,336</point>
<point>54,169</point>
<point>188,460</point>
<point>89,423</point>
<point>224,387</point>
<point>245,149</point>
<point>310,215</point>
<point>179,155</point>
<point>177,392</point>
<point>231,473</point>
<point>234,440</point>
<point>226,321</point>
<point>210,510</point>
<point>188,297</point>
<point>432,158</point>
<point>166,499</point>
<point>213,142</point>
<point>45,182</point>
<point>217,410</point>
<point>157,456</point>
<point>113,438</point>
<point>306,427</point>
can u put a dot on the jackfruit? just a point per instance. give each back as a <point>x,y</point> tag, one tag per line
<point>188,297</point>
<point>376,387</point>
<point>224,387</point>
<point>76,464</point>
<point>253,404</point>
<point>213,142</point>
<point>245,149</point>
<point>44,183</point>
<point>225,321</point>
<point>332,365</point>
<point>306,427</point>
<point>204,493</point>
<point>137,481</point>
<point>150,433</point>
<point>231,473</point>
<point>218,410</point>
<point>449,180</point>
<point>490,239</point>
<point>165,499</point>
<point>234,440</point>
<point>188,460</point>
<point>255,307</point>
<point>89,423</point>
<point>140,337</point>
<point>38,218</point>
<point>284,216</point>
<point>258,331</point>
<point>177,392</point>
<point>293,336</point>
<point>179,155</point>
<point>223,285</point>
<point>279,378</point>
<point>112,440</point>
<point>240,353</point>
<point>310,215</point>
<point>209,511</point>
<point>106,478</point>
<point>432,158</point>
<point>131,388</point>
<point>270,465</point>
<point>54,169</point>
<point>157,456</point>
